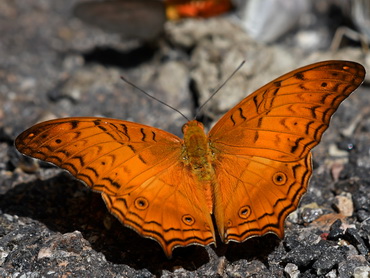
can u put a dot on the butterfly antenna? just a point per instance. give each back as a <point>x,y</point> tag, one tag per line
<point>152,97</point>
<point>219,88</point>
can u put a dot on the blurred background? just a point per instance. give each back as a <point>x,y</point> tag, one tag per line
<point>65,58</point>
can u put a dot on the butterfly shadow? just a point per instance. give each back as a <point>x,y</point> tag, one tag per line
<point>256,248</point>
<point>64,205</point>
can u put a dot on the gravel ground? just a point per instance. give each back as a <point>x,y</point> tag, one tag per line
<point>53,65</point>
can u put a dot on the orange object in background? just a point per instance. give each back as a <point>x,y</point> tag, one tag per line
<point>176,9</point>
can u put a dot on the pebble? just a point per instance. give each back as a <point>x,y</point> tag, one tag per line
<point>343,204</point>
<point>291,270</point>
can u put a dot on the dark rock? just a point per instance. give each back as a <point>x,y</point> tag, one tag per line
<point>347,268</point>
<point>329,258</point>
<point>292,241</point>
<point>346,186</point>
<point>247,269</point>
<point>303,256</point>
<point>5,136</point>
<point>361,198</point>
<point>365,231</point>
<point>362,215</point>
<point>335,231</point>
<point>355,239</point>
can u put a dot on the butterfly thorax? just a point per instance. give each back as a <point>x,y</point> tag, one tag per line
<point>197,156</point>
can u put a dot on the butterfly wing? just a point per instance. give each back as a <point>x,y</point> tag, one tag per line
<point>262,146</point>
<point>137,169</point>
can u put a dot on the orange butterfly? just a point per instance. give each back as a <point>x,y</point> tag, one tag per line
<point>250,171</point>
<point>176,9</point>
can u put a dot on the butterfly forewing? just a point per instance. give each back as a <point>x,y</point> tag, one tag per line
<point>288,116</point>
<point>262,146</point>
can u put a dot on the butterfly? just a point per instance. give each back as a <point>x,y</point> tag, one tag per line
<point>143,19</point>
<point>250,171</point>
<point>176,9</point>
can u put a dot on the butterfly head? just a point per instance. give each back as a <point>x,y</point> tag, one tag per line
<point>192,126</point>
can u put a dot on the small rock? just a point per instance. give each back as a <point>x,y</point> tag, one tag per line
<point>334,151</point>
<point>355,239</point>
<point>328,259</point>
<point>361,199</point>
<point>61,246</point>
<point>311,214</point>
<point>335,231</point>
<point>347,267</point>
<point>5,136</point>
<point>291,270</point>
<point>362,215</point>
<point>292,241</point>
<point>336,169</point>
<point>3,255</point>
<point>343,204</point>
<point>332,274</point>
<point>303,256</point>
<point>361,272</point>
